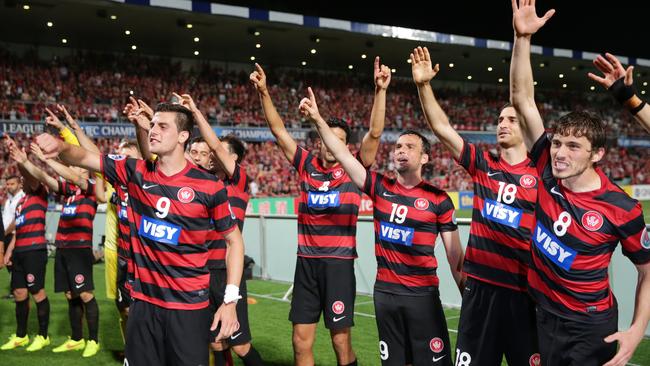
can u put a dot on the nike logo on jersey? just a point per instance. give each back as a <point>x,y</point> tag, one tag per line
<point>396,234</point>
<point>147,186</point>
<point>386,194</point>
<point>436,359</point>
<point>234,336</point>
<point>323,199</point>
<point>492,174</point>
<point>554,190</point>
<point>314,174</point>
<point>78,286</point>
<point>159,231</point>
<point>553,248</point>
<point>338,319</point>
<point>502,214</point>
<point>30,284</point>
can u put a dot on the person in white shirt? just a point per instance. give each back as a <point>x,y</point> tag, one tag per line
<point>14,188</point>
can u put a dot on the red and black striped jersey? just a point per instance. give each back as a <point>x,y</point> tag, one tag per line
<point>170,218</point>
<point>498,251</point>
<point>407,222</point>
<point>30,221</point>
<point>328,209</point>
<point>573,240</point>
<point>237,188</point>
<point>76,221</point>
<point>120,199</point>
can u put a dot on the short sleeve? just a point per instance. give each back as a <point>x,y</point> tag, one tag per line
<point>446,215</point>
<point>300,158</point>
<point>540,154</point>
<point>117,169</point>
<point>469,157</point>
<point>222,214</point>
<point>239,179</point>
<point>635,238</point>
<point>65,188</point>
<point>370,183</point>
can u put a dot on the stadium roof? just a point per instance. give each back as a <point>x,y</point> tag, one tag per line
<point>288,41</point>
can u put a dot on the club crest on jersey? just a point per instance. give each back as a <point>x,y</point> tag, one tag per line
<point>338,307</point>
<point>437,345</point>
<point>30,277</point>
<point>69,210</point>
<point>20,220</point>
<point>185,195</point>
<point>396,234</point>
<point>116,157</point>
<point>421,204</point>
<point>527,181</point>
<point>338,173</point>
<point>160,231</point>
<point>553,248</point>
<point>502,214</point>
<point>323,199</point>
<point>645,239</point>
<point>592,220</point>
<point>79,279</point>
<point>535,360</point>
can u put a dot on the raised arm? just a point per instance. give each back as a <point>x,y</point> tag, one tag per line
<point>53,120</point>
<point>451,241</point>
<point>338,148</point>
<point>70,154</point>
<point>224,158</point>
<point>84,141</point>
<point>273,119</point>
<point>20,157</point>
<point>423,72</point>
<point>372,138</point>
<point>140,115</point>
<point>525,23</point>
<point>64,171</point>
<point>620,83</point>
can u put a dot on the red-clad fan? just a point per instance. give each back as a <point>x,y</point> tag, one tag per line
<point>173,204</point>
<point>223,156</point>
<point>28,255</point>
<point>498,251</point>
<point>327,222</point>
<point>409,214</point>
<point>581,216</point>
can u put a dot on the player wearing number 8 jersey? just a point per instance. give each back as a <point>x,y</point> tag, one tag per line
<point>581,216</point>
<point>172,206</point>
<point>408,216</point>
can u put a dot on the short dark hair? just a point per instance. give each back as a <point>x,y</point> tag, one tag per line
<point>426,145</point>
<point>197,140</point>
<point>13,176</point>
<point>236,146</point>
<point>342,124</point>
<point>580,124</point>
<point>184,117</point>
<point>129,144</point>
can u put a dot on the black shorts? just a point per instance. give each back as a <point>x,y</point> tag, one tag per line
<point>29,270</point>
<point>496,321</point>
<point>412,330</point>
<point>218,284</point>
<point>73,270</point>
<point>327,285</point>
<point>564,342</point>
<point>123,299</point>
<point>159,336</point>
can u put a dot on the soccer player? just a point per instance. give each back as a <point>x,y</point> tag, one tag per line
<point>327,220</point>
<point>619,81</point>
<point>581,216</point>
<point>224,157</point>
<point>498,251</point>
<point>28,256</point>
<point>173,204</point>
<point>409,213</point>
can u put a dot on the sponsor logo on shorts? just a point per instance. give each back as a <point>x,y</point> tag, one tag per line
<point>159,231</point>
<point>185,195</point>
<point>437,345</point>
<point>534,360</point>
<point>337,319</point>
<point>553,248</point>
<point>421,204</point>
<point>527,181</point>
<point>30,277</point>
<point>338,173</point>
<point>79,278</point>
<point>396,234</point>
<point>592,220</point>
<point>502,214</point>
<point>645,239</point>
<point>234,336</point>
<point>324,199</point>
<point>338,307</point>
<point>436,359</point>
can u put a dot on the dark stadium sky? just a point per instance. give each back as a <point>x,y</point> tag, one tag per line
<point>577,24</point>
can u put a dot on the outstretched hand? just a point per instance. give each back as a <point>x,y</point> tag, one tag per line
<point>524,17</point>
<point>137,114</point>
<point>53,120</point>
<point>258,78</point>
<point>16,153</point>
<point>308,106</point>
<point>382,75</point>
<point>186,101</point>
<point>612,70</point>
<point>421,66</point>
<point>68,117</point>
<point>49,145</point>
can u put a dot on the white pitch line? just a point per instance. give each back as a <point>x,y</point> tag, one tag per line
<point>268,297</point>
<point>364,302</point>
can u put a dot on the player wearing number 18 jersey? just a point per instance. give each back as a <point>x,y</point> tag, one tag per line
<point>581,216</point>
<point>408,216</point>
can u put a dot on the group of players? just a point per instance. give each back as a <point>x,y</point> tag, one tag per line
<point>534,281</point>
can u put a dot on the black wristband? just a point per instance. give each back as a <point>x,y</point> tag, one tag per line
<point>636,109</point>
<point>622,92</point>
